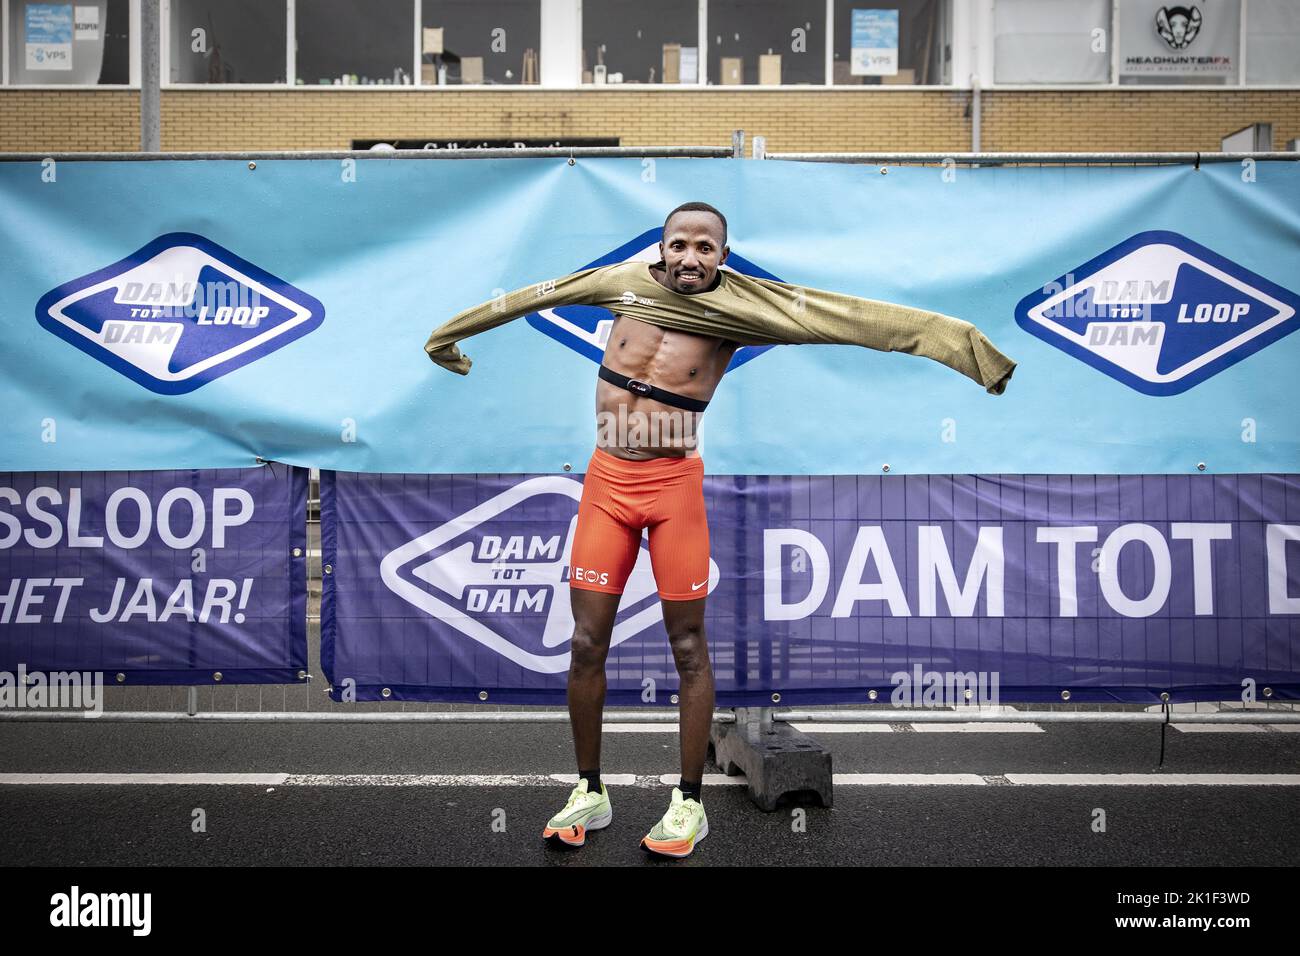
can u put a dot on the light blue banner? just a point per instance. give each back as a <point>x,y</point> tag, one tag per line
<point>1149,310</point>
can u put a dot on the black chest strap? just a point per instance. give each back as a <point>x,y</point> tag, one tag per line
<point>646,390</point>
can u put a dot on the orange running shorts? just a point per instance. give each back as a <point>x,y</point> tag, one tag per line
<point>619,499</point>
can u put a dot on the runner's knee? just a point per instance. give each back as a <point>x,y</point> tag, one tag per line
<point>589,649</point>
<point>690,648</point>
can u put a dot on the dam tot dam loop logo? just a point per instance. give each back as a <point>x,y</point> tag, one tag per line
<point>499,574</point>
<point>1160,313</point>
<point>179,313</point>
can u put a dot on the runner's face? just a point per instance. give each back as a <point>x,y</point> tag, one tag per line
<point>692,249</point>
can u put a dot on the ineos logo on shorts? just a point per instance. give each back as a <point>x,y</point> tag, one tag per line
<point>585,328</point>
<point>178,313</point>
<point>589,576</point>
<point>1160,313</point>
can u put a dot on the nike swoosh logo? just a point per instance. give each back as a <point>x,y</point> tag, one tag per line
<point>696,587</point>
<point>709,315</point>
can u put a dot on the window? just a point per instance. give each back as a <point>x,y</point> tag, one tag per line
<point>86,43</point>
<point>227,41</point>
<point>767,42</point>
<point>1197,41</point>
<point>892,41</point>
<point>1273,42</point>
<point>1058,41</point>
<point>481,41</point>
<point>631,41</point>
<point>338,40</point>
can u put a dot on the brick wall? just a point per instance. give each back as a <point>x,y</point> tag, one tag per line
<point>1075,120</point>
<point>1134,120</point>
<point>71,121</point>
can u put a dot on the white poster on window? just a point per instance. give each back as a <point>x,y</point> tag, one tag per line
<point>47,36</point>
<point>690,65</point>
<point>86,23</point>
<point>874,43</point>
<point>1195,38</point>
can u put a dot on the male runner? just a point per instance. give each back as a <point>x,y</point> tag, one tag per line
<point>677,324</point>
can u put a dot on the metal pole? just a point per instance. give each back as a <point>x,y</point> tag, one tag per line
<point>347,717</point>
<point>737,143</point>
<point>531,152</point>
<point>1063,159</point>
<point>150,101</point>
<point>756,715</point>
<point>1035,717</point>
<point>701,152</point>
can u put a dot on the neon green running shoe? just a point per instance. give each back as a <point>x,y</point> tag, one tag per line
<point>584,811</point>
<point>683,826</point>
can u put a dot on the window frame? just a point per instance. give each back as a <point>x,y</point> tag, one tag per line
<point>971,24</point>
<point>133,57</point>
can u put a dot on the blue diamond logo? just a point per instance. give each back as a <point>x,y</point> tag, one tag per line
<point>1160,313</point>
<point>178,313</point>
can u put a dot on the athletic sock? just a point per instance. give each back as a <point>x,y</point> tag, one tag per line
<point>593,779</point>
<point>690,790</point>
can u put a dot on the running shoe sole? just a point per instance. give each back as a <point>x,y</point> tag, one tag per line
<point>572,837</point>
<point>675,848</point>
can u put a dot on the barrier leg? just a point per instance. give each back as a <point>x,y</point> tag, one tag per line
<point>776,759</point>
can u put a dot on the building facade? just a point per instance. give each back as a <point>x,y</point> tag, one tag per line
<point>833,75</point>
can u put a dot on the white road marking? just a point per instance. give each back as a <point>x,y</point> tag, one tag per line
<point>1218,728</point>
<point>708,780</point>
<point>617,779</point>
<point>630,779</point>
<point>909,779</point>
<point>1157,779</point>
<point>639,729</point>
<point>133,779</point>
<point>979,727</point>
<point>828,728</point>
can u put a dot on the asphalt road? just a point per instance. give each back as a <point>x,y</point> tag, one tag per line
<point>341,794</point>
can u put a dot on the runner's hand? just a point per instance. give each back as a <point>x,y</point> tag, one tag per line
<point>452,359</point>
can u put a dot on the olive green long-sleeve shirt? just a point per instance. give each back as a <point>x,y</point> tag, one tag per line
<point>743,309</point>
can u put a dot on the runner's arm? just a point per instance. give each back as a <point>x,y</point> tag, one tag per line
<point>579,288</point>
<point>817,316</point>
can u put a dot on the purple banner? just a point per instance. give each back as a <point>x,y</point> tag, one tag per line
<point>826,588</point>
<point>156,577</point>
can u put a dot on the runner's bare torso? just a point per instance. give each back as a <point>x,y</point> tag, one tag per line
<point>681,362</point>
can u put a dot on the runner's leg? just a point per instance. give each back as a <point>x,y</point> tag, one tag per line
<point>684,621</point>
<point>604,551</point>
<point>679,552</point>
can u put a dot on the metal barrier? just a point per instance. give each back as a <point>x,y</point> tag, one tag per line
<point>1021,159</point>
<point>298,702</point>
<point>529,152</point>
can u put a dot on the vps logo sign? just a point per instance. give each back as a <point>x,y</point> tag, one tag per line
<point>1160,313</point>
<point>585,328</point>
<point>179,313</point>
<point>499,574</point>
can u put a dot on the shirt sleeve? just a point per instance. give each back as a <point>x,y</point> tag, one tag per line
<point>579,288</point>
<point>816,316</point>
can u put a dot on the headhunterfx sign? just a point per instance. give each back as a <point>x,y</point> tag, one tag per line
<point>1160,313</point>
<point>178,313</point>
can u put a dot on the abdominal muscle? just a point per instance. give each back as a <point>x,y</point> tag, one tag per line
<point>637,429</point>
